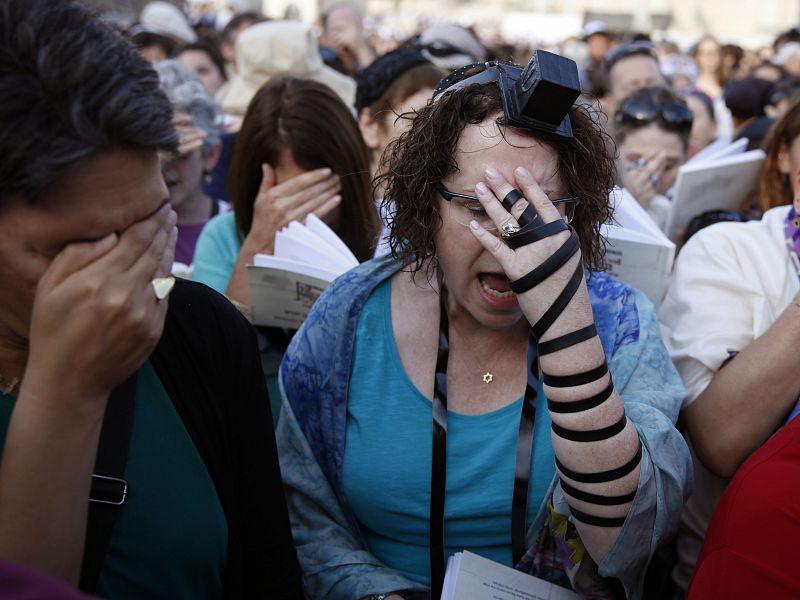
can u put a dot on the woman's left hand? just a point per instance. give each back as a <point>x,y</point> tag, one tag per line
<point>519,262</point>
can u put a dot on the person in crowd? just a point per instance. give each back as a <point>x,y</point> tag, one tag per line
<point>788,57</point>
<point>343,33</point>
<point>782,96</point>
<point>161,29</point>
<point>730,318</point>
<point>444,338</point>
<point>230,33</point>
<point>704,125</point>
<point>750,548</point>
<point>680,71</point>
<point>630,67</point>
<point>274,48</point>
<point>652,129</point>
<point>746,100</point>
<point>768,71</point>
<point>205,60</point>
<point>708,56</point>
<point>196,120</point>
<point>115,395</point>
<point>388,94</point>
<point>782,147</point>
<point>733,61</point>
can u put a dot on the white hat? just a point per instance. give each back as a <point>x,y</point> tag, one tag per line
<point>786,51</point>
<point>451,46</point>
<point>164,19</point>
<point>273,48</point>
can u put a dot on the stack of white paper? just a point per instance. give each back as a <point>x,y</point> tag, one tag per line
<point>284,286</point>
<point>719,178</point>
<point>472,577</point>
<point>637,252</point>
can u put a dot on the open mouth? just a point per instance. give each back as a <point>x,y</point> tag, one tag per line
<point>495,285</point>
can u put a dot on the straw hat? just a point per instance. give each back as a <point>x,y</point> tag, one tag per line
<point>276,48</point>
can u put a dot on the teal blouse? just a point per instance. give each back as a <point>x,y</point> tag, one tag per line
<point>171,536</point>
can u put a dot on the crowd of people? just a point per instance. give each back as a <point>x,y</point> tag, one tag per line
<point>478,382</point>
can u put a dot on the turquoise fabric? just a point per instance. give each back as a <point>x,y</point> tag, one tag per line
<point>171,537</point>
<point>216,252</point>
<point>387,461</point>
<point>315,379</point>
<point>214,258</point>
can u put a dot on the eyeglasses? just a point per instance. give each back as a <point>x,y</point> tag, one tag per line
<point>637,112</point>
<point>637,48</point>
<point>464,208</point>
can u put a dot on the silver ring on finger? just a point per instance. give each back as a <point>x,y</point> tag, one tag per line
<point>508,228</point>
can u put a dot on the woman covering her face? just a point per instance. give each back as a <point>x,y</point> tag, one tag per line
<point>121,389</point>
<point>485,351</point>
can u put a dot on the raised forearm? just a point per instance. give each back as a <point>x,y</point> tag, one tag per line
<point>45,476</point>
<point>591,405</point>
<point>748,398</point>
<point>238,288</point>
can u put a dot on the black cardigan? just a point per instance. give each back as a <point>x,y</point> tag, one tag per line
<point>208,361</point>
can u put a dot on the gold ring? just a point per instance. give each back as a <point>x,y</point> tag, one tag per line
<point>162,286</point>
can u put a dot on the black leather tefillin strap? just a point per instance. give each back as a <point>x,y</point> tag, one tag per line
<point>527,235</point>
<point>522,465</point>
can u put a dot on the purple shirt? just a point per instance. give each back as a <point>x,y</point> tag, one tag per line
<point>21,583</point>
<point>187,240</point>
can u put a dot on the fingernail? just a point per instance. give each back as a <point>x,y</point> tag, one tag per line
<point>492,173</point>
<point>522,172</point>
<point>326,172</point>
<point>481,188</point>
<point>474,225</point>
<point>172,219</point>
<point>173,236</point>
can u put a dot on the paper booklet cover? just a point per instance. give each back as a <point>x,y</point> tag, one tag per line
<point>472,577</point>
<point>637,251</point>
<point>722,181</point>
<point>284,286</point>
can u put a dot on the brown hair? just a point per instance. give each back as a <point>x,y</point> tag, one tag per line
<point>424,155</point>
<point>406,85</point>
<point>311,121</point>
<point>774,187</point>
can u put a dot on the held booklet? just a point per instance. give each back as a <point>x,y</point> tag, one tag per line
<point>637,251</point>
<point>721,181</point>
<point>284,286</point>
<point>472,577</point>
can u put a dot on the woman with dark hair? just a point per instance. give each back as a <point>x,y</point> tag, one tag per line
<point>652,129</point>
<point>136,454</point>
<point>299,151</point>
<point>456,394</point>
<point>389,92</point>
<point>205,60</point>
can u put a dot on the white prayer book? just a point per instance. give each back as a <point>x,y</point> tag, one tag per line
<point>715,183</point>
<point>637,251</point>
<point>472,577</point>
<point>284,286</point>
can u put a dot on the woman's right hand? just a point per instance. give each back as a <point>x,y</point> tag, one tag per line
<point>292,200</point>
<point>642,178</point>
<point>95,316</point>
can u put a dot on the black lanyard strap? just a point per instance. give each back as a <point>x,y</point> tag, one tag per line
<point>522,466</point>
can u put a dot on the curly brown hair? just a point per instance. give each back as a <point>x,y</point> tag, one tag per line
<point>421,157</point>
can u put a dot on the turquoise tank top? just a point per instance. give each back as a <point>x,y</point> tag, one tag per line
<point>387,460</point>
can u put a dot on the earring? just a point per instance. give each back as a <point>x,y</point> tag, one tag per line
<point>796,222</point>
<point>208,178</point>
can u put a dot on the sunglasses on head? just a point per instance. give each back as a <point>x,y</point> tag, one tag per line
<point>638,48</point>
<point>675,116</point>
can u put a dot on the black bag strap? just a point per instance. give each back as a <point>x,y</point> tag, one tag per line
<point>109,487</point>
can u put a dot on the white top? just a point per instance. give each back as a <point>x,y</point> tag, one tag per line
<point>730,284</point>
